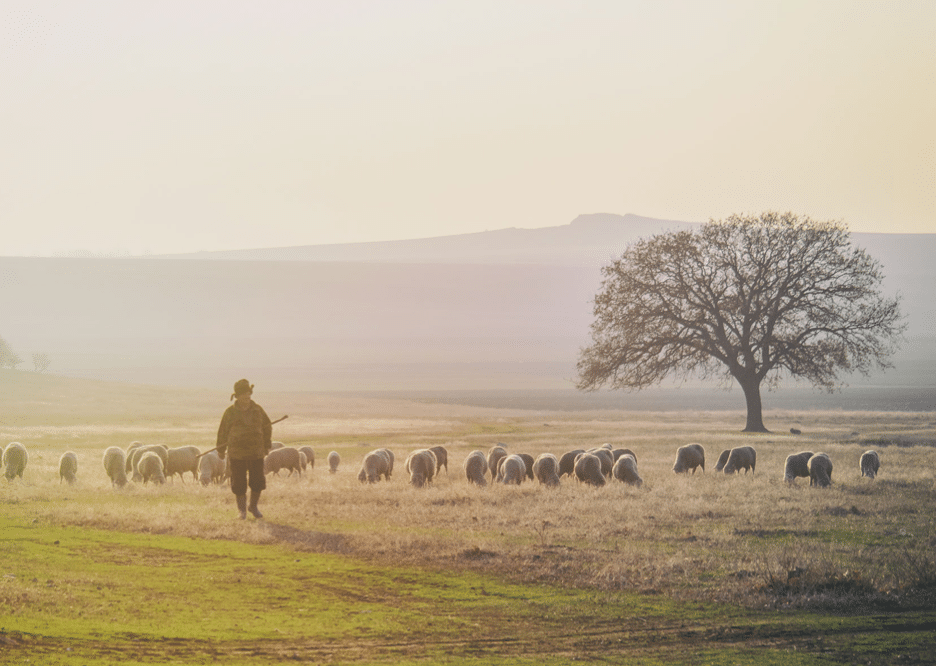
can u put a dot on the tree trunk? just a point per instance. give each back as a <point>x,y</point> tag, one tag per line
<point>755,418</point>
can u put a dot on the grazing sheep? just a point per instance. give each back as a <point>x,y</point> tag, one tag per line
<point>625,469</point>
<point>741,457</point>
<point>797,464</point>
<point>115,464</point>
<point>606,457</point>
<point>210,468</point>
<point>476,468</point>
<point>333,461</point>
<point>375,464</point>
<point>588,469</point>
<point>182,459</point>
<point>285,457</point>
<point>512,470</point>
<point>567,462</point>
<point>150,467</point>
<point>617,453</point>
<point>689,457</point>
<point>15,458</point>
<point>869,464</point>
<point>68,467</point>
<point>303,460</point>
<point>140,451</point>
<point>722,460</point>
<point>421,465</point>
<point>494,456</point>
<point>528,461</point>
<point>441,454</point>
<point>309,454</point>
<point>820,470</point>
<point>129,457</point>
<point>546,469</point>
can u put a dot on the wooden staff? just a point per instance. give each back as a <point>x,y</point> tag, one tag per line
<point>282,418</point>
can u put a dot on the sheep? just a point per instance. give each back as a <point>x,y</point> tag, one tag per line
<point>797,464</point>
<point>421,465</point>
<point>441,454</point>
<point>567,462</point>
<point>210,468</point>
<point>607,459</point>
<point>528,461</point>
<point>546,469</point>
<point>15,458</point>
<point>689,457</point>
<point>512,470</point>
<point>303,461</point>
<point>820,470</point>
<point>285,457</point>
<point>182,459</point>
<point>476,468</point>
<point>375,464</point>
<point>722,460</point>
<point>140,451</point>
<point>869,464</point>
<point>625,469</point>
<point>588,469</point>
<point>494,456</point>
<point>115,464</point>
<point>333,461</point>
<point>617,453</point>
<point>68,467</point>
<point>310,455</point>
<point>741,457</point>
<point>128,458</point>
<point>150,467</point>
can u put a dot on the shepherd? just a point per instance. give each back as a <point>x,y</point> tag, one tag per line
<point>246,435</point>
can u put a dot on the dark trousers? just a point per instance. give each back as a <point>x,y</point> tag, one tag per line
<point>240,469</point>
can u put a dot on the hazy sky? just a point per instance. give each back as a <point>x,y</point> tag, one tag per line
<point>138,126</point>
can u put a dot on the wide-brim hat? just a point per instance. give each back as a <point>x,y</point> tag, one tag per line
<point>241,386</point>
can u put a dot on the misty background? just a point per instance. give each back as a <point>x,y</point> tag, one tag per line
<point>492,317</point>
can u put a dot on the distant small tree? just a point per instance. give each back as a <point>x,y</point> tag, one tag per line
<point>748,299</point>
<point>41,361</point>
<point>8,358</point>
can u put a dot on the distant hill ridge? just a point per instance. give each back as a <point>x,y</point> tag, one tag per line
<point>589,240</point>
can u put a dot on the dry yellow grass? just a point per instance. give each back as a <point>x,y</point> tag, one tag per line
<point>704,535</point>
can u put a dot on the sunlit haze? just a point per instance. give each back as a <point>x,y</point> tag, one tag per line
<point>158,127</point>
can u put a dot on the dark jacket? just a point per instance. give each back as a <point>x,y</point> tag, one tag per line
<point>245,434</point>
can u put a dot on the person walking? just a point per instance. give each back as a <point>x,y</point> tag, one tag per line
<point>246,435</point>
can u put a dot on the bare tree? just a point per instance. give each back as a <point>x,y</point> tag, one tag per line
<point>41,361</point>
<point>8,357</point>
<point>748,298</point>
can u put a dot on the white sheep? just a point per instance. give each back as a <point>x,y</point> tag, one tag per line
<point>511,470</point>
<point>820,470</point>
<point>741,457</point>
<point>869,464</point>
<point>796,465</point>
<point>421,465</point>
<point>625,469</point>
<point>15,458</point>
<point>588,469</point>
<point>689,457</point>
<point>441,454</point>
<point>546,469</point>
<point>115,461</point>
<point>182,459</point>
<point>141,451</point>
<point>722,460</point>
<point>150,467</point>
<point>476,468</point>
<point>376,463</point>
<point>285,457</point>
<point>210,468</point>
<point>334,459</point>
<point>495,454</point>
<point>309,454</point>
<point>68,467</point>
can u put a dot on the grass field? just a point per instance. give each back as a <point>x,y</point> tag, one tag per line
<point>698,569</point>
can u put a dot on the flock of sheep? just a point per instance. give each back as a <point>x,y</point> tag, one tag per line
<point>155,463</point>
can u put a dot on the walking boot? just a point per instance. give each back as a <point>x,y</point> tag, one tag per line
<point>254,498</point>
<point>242,506</point>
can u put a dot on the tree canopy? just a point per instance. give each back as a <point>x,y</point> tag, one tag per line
<point>751,299</point>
